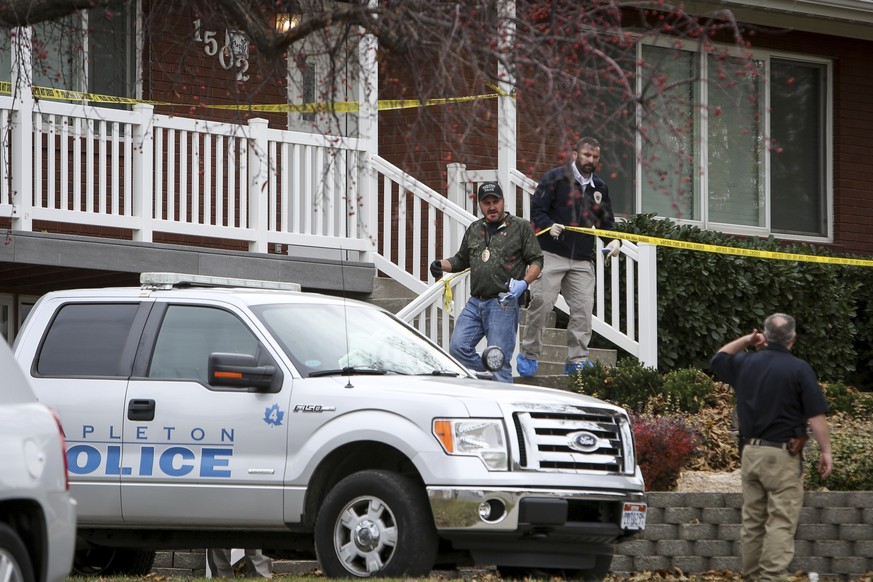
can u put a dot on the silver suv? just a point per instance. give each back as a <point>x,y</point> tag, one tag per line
<point>37,513</point>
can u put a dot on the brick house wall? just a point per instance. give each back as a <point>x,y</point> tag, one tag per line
<point>536,153</point>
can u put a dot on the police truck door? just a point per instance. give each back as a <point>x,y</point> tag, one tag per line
<point>215,452</point>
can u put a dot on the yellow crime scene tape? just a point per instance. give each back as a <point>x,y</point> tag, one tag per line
<point>448,302</point>
<point>719,249</point>
<point>338,107</point>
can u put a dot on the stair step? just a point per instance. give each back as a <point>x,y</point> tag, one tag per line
<point>393,305</point>
<point>389,294</point>
<point>561,382</point>
<point>394,296</point>
<point>385,288</point>
<point>550,320</point>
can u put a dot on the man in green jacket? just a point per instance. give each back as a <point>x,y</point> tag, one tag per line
<point>504,258</point>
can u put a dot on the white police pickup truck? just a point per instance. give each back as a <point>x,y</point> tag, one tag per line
<point>202,415</point>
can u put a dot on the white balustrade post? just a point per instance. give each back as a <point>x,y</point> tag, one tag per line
<point>648,310</point>
<point>368,119</point>
<point>143,182</point>
<point>21,150</point>
<point>457,192</point>
<point>258,194</point>
<point>453,231</point>
<point>506,109</point>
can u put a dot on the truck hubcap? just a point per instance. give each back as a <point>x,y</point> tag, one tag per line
<point>365,536</point>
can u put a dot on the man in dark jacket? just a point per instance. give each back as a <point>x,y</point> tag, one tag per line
<point>777,395</point>
<point>571,195</point>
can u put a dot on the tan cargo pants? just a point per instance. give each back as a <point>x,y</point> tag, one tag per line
<point>772,481</point>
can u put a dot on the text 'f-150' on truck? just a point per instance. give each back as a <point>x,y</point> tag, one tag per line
<point>203,412</point>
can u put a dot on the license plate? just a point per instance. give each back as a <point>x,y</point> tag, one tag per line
<point>633,516</point>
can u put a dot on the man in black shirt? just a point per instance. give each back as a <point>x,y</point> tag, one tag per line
<point>777,395</point>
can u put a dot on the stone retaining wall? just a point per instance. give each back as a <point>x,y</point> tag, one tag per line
<point>697,532</point>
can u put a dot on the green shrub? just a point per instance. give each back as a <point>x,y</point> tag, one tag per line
<point>664,447</point>
<point>592,380</point>
<point>688,390</point>
<point>847,399</point>
<point>628,383</point>
<point>851,443</point>
<point>708,299</point>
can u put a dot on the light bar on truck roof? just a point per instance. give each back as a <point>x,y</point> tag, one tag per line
<point>168,280</point>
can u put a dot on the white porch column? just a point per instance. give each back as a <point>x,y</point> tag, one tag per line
<point>368,120</point>
<point>648,297</point>
<point>258,162</point>
<point>143,182</point>
<point>506,108</point>
<point>21,150</point>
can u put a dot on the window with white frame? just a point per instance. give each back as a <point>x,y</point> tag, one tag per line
<point>744,147</point>
<point>91,51</point>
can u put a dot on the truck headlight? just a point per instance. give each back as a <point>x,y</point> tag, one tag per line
<point>627,444</point>
<point>474,437</point>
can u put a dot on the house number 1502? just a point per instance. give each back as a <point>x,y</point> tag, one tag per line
<point>234,52</point>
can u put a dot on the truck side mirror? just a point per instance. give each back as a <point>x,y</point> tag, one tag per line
<point>240,371</point>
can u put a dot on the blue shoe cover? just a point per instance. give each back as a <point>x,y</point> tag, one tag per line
<point>525,366</point>
<point>576,367</point>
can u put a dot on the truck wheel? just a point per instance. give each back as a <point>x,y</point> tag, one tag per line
<point>375,524</point>
<point>100,561</point>
<point>14,560</point>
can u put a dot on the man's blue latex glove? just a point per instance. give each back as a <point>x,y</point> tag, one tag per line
<point>517,287</point>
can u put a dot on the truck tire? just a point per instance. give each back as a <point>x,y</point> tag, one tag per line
<point>101,561</point>
<point>375,524</point>
<point>14,560</point>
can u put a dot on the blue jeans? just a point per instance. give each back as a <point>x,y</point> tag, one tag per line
<point>486,318</point>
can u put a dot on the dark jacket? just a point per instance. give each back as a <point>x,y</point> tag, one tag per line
<point>559,198</point>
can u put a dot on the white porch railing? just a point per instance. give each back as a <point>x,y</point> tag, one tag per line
<point>152,176</point>
<point>625,309</point>
<point>149,173</point>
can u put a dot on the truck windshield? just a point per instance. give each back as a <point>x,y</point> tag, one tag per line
<point>322,339</point>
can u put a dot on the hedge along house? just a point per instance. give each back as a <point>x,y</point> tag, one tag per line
<point>164,179</point>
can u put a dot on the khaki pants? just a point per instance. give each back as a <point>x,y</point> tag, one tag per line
<point>772,499</point>
<point>575,281</point>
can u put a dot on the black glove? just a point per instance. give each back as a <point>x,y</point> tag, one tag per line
<point>436,269</point>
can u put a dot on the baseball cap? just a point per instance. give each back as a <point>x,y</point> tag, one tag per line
<point>490,189</point>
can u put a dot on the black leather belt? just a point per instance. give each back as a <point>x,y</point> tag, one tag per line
<point>763,443</point>
<point>484,297</point>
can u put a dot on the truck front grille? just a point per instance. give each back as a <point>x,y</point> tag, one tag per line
<point>570,441</point>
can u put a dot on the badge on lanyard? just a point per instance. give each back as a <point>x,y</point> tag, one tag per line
<point>486,254</point>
